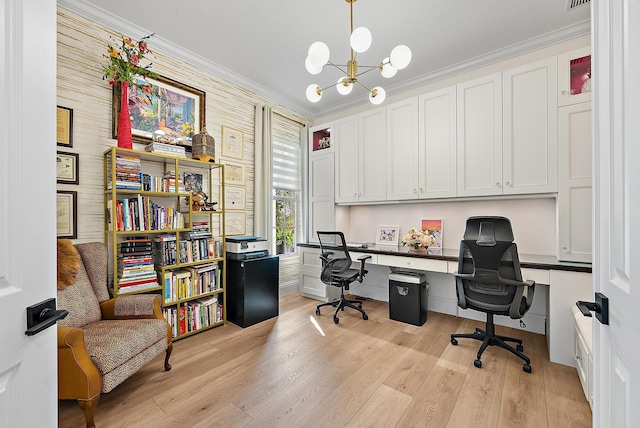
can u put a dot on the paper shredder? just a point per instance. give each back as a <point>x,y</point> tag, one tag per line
<point>408,297</point>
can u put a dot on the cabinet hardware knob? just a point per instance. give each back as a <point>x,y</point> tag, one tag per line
<point>565,249</point>
<point>497,184</point>
<point>564,93</point>
<point>508,183</point>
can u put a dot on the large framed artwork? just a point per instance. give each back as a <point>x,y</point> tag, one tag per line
<point>172,107</point>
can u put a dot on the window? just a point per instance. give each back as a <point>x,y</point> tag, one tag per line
<point>286,195</point>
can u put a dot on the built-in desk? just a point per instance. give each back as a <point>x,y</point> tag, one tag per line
<point>558,286</point>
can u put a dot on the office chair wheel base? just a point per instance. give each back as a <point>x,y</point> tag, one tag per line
<point>526,368</point>
<point>477,363</point>
<point>318,311</point>
<point>336,319</point>
<point>454,341</point>
<point>365,316</point>
<point>519,348</point>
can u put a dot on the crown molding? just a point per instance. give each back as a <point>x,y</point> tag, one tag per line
<point>119,24</point>
<point>536,43</point>
<point>302,107</point>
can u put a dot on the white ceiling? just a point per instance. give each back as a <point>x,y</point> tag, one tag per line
<point>262,44</point>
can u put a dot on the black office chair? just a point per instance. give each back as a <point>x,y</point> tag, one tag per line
<point>336,271</point>
<point>489,280</point>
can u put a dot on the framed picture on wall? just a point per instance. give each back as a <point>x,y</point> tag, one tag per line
<point>67,214</point>
<point>387,235</point>
<point>64,126</point>
<point>232,142</point>
<point>67,167</point>
<point>235,223</point>
<point>172,107</point>
<point>234,173</point>
<point>234,198</point>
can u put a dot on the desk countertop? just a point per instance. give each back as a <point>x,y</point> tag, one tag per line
<point>531,261</point>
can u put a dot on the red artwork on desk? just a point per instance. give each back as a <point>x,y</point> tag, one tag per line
<point>434,227</point>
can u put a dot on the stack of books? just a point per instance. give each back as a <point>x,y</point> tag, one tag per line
<point>166,149</point>
<point>170,183</point>
<point>127,172</point>
<point>136,271</point>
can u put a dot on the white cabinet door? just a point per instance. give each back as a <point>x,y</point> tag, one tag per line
<point>479,136</point>
<point>373,151</point>
<point>321,194</point>
<point>345,137</point>
<point>402,150</point>
<point>530,132</point>
<point>437,144</point>
<point>574,69</point>
<point>574,187</point>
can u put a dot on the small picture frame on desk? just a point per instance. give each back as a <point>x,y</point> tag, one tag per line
<point>387,235</point>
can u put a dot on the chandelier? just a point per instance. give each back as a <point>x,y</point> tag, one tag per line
<point>360,41</point>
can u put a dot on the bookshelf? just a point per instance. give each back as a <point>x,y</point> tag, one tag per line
<point>160,241</point>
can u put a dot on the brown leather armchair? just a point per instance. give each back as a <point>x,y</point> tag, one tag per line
<point>103,341</point>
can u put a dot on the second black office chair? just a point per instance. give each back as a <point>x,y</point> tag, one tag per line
<point>489,280</point>
<point>336,271</point>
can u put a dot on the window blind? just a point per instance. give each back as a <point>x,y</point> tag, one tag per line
<point>286,164</point>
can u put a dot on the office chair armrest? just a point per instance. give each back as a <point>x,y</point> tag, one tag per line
<point>520,306</point>
<point>363,271</point>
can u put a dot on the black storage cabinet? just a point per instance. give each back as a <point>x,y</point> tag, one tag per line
<point>408,297</point>
<point>252,290</point>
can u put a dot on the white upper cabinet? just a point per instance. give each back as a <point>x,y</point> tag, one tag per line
<point>574,187</point>
<point>574,77</point>
<point>479,136</point>
<point>360,148</point>
<point>437,144</point>
<point>530,142</point>
<point>402,150</point>
<point>507,132</point>
<point>345,137</point>
<point>373,151</point>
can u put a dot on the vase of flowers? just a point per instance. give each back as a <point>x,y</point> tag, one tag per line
<point>418,240</point>
<point>125,68</point>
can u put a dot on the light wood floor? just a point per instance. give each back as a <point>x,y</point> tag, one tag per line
<point>374,373</point>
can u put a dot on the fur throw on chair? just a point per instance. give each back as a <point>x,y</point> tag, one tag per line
<point>68,263</point>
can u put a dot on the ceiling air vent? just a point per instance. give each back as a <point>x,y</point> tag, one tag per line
<point>572,4</point>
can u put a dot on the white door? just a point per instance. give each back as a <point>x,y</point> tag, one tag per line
<point>437,144</point>
<point>616,51</point>
<point>479,136</point>
<point>402,150</point>
<point>345,138</point>
<point>530,128</point>
<point>372,147</point>
<point>28,365</point>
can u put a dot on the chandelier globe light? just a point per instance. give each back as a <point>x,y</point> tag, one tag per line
<point>360,40</point>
